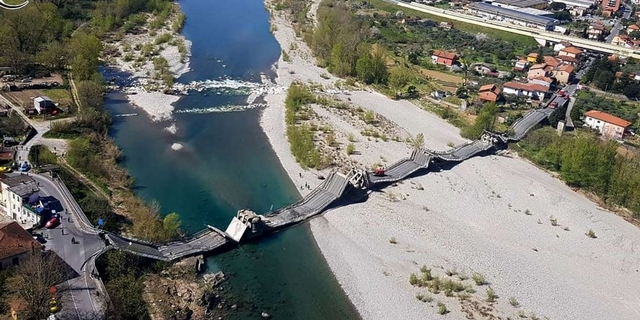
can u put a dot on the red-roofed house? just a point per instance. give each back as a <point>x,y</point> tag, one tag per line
<point>563,73</point>
<point>571,52</point>
<point>489,92</point>
<point>551,61</point>
<point>443,57</point>
<point>537,70</point>
<point>608,125</point>
<point>609,7</point>
<point>632,28</point>
<point>521,65</point>
<point>532,90</point>
<point>15,244</point>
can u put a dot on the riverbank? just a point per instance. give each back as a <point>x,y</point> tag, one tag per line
<point>153,54</point>
<point>498,216</point>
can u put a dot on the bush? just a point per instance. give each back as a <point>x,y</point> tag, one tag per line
<point>514,302</point>
<point>442,308</point>
<point>591,234</point>
<point>478,278</point>
<point>351,148</point>
<point>491,295</point>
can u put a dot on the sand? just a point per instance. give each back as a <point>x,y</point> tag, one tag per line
<point>469,217</point>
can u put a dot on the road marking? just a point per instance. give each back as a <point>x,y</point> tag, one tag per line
<point>74,300</point>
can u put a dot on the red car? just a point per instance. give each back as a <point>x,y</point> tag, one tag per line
<point>553,105</point>
<point>52,223</point>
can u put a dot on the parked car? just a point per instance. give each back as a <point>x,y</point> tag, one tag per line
<point>553,105</point>
<point>52,223</point>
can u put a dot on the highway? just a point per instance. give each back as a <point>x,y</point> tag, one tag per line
<point>513,28</point>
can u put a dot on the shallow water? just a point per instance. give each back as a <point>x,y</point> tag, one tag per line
<point>227,164</point>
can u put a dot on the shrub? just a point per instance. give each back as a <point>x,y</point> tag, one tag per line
<point>591,234</point>
<point>514,302</point>
<point>426,273</point>
<point>351,148</point>
<point>554,221</point>
<point>527,212</point>
<point>369,117</point>
<point>413,279</point>
<point>442,308</point>
<point>478,278</point>
<point>393,240</point>
<point>351,137</point>
<point>491,295</point>
<point>285,56</point>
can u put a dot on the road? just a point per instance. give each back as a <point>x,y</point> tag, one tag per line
<point>618,25</point>
<point>81,299</point>
<point>513,28</point>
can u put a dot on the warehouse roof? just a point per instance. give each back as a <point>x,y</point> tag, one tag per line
<point>576,3</point>
<point>508,13</point>
<point>521,3</point>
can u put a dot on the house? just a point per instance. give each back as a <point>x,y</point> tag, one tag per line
<point>15,245</point>
<point>608,125</point>
<point>17,192</point>
<point>443,57</point>
<point>537,70</point>
<point>563,73</point>
<point>532,90</point>
<point>532,57</point>
<point>521,65</point>
<point>551,61</point>
<point>544,81</point>
<point>595,30</point>
<point>567,60</point>
<point>561,45</point>
<point>489,92</point>
<point>447,25</point>
<point>632,28</point>
<point>571,52</point>
<point>621,40</point>
<point>43,104</point>
<point>6,154</point>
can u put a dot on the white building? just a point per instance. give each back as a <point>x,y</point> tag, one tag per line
<point>608,125</point>
<point>533,90</point>
<point>16,192</point>
<point>43,104</point>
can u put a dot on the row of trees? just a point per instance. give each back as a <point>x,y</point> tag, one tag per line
<point>586,100</point>
<point>604,75</point>
<point>589,163</point>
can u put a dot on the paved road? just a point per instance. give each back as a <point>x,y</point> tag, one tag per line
<point>618,25</point>
<point>81,299</point>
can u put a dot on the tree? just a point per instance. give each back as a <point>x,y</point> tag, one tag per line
<point>341,63</point>
<point>171,224</point>
<point>86,50</point>
<point>635,35</point>
<point>34,277</point>
<point>364,67</point>
<point>400,77</point>
<point>557,6</point>
<point>484,121</point>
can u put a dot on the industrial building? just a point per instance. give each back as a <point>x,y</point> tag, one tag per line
<point>492,12</point>
<point>537,4</point>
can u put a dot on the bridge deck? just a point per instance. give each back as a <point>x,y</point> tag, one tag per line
<point>204,241</point>
<point>314,203</point>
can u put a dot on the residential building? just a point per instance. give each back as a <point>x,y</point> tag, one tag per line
<point>532,90</point>
<point>15,245</point>
<point>489,92</point>
<point>571,52</point>
<point>521,65</point>
<point>563,73</point>
<point>17,192</point>
<point>561,45</point>
<point>595,30</point>
<point>567,60</point>
<point>609,7</point>
<point>632,28</point>
<point>492,12</point>
<point>443,57</point>
<point>532,57</point>
<point>551,61</point>
<point>608,125</point>
<point>544,81</point>
<point>537,70</point>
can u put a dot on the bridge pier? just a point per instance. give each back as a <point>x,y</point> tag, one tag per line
<point>246,223</point>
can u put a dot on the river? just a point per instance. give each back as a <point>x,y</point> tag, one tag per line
<point>227,164</point>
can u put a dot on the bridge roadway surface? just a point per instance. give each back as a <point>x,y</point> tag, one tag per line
<point>527,31</point>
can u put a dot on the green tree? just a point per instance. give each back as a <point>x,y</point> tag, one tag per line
<point>171,224</point>
<point>484,121</point>
<point>85,50</point>
<point>400,77</point>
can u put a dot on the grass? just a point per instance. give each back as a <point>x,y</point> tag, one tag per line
<point>591,234</point>
<point>62,96</point>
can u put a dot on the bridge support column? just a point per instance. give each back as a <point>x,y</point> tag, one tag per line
<point>541,41</point>
<point>246,223</point>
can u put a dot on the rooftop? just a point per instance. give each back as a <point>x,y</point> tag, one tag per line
<point>607,118</point>
<point>512,14</point>
<point>521,3</point>
<point>576,3</point>
<point>572,50</point>
<point>15,241</point>
<point>526,86</point>
<point>565,67</point>
<point>445,54</point>
<point>22,185</point>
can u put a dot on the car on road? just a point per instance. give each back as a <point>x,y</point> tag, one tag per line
<point>553,105</point>
<point>561,93</point>
<point>53,222</point>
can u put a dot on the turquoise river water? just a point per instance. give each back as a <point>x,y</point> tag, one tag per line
<point>227,164</point>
